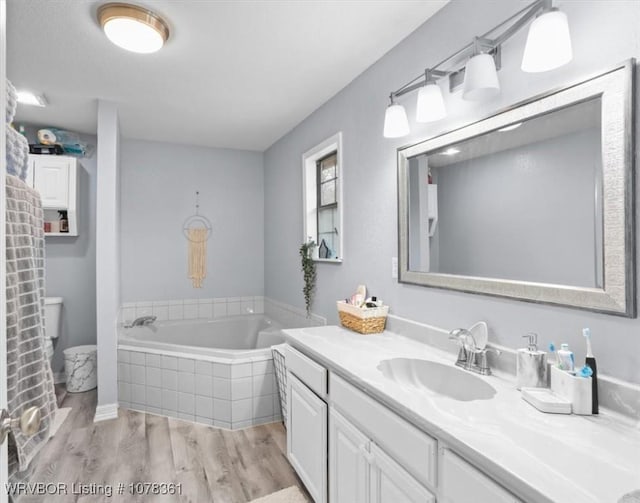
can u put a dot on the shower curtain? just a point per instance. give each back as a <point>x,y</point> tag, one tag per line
<point>29,376</point>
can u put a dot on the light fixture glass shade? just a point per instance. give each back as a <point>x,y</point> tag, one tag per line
<point>548,43</point>
<point>133,28</point>
<point>396,123</point>
<point>480,78</point>
<point>430,107</point>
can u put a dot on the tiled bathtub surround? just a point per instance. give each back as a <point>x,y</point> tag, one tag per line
<point>291,316</point>
<point>203,388</point>
<point>191,309</point>
<point>227,395</point>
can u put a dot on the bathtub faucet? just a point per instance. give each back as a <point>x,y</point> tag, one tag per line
<point>142,321</point>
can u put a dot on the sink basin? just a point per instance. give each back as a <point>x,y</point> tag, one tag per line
<point>437,377</point>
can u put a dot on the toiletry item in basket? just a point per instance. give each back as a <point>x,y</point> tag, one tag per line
<point>590,361</point>
<point>565,358</point>
<point>531,365</point>
<point>373,302</point>
<point>358,298</point>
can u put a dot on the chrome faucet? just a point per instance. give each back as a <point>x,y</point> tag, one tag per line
<point>470,356</point>
<point>141,321</point>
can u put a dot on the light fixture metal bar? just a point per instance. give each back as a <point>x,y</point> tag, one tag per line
<point>523,16</point>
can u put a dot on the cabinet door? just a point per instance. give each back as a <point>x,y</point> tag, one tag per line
<point>393,484</point>
<point>307,437</point>
<point>51,179</point>
<point>462,483</point>
<point>348,464</point>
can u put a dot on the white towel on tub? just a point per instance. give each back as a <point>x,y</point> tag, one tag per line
<point>29,377</point>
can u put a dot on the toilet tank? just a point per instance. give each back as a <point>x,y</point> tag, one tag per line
<point>53,315</point>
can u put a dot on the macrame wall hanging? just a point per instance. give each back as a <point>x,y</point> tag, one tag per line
<point>197,229</point>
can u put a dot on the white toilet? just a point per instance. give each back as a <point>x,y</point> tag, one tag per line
<point>52,323</point>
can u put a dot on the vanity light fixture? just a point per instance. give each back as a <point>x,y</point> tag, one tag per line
<point>480,76</point>
<point>133,28</point>
<point>396,124</point>
<point>548,47</point>
<point>548,43</point>
<point>430,106</point>
<point>30,98</point>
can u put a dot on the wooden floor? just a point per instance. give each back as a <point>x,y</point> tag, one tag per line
<point>211,464</point>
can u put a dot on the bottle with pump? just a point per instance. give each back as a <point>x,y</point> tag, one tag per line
<point>531,365</point>
<point>64,221</point>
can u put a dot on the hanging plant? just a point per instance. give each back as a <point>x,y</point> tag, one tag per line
<point>308,273</point>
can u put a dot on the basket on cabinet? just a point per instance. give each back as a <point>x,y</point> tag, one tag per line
<point>364,320</point>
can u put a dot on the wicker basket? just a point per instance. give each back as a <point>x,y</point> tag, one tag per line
<point>368,320</point>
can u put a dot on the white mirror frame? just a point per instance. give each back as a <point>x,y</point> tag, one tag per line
<point>615,88</point>
<point>309,203</point>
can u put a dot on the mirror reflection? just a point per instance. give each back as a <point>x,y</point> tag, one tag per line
<point>511,203</point>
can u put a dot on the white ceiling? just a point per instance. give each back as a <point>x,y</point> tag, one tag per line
<point>235,74</point>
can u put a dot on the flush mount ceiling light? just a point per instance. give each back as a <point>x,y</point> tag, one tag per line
<point>450,151</point>
<point>133,28</point>
<point>29,98</point>
<point>548,47</point>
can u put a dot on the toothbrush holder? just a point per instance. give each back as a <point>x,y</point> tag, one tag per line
<point>575,389</point>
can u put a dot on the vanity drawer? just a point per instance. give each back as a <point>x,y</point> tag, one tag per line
<point>308,371</point>
<point>413,449</point>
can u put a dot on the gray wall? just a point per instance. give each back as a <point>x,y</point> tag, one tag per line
<point>603,33</point>
<point>526,213</point>
<point>71,263</point>
<point>159,182</point>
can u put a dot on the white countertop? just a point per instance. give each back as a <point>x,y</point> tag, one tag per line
<point>552,457</point>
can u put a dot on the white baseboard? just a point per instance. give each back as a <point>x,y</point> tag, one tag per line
<point>59,378</point>
<point>106,412</point>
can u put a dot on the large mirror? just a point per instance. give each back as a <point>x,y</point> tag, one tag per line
<point>534,203</point>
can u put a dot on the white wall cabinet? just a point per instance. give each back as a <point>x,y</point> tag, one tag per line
<point>307,437</point>
<point>51,179</point>
<point>55,178</point>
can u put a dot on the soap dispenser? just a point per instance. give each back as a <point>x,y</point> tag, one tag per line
<point>531,365</point>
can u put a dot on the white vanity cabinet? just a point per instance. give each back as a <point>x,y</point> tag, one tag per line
<point>373,454</point>
<point>307,422</point>
<point>349,461</point>
<point>391,483</point>
<point>55,178</point>
<point>461,483</point>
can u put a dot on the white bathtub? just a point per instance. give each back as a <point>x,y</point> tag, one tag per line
<point>217,372</point>
<point>233,337</point>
